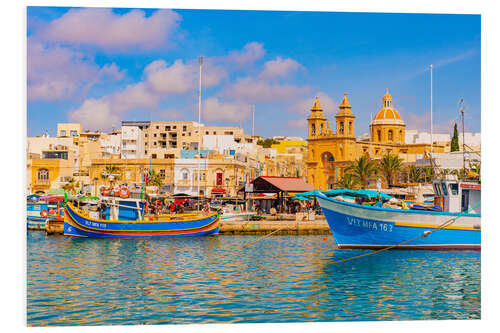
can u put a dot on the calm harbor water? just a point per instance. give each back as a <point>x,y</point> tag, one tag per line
<point>216,280</point>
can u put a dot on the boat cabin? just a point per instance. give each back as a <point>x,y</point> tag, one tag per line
<point>457,196</point>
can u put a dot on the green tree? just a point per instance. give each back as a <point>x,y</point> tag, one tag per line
<point>267,142</point>
<point>390,165</point>
<point>154,178</point>
<point>454,140</point>
<point>111,170</point>
<point>362,169</point>
<point>348,181</point>
<point>414,174</point>
<point>71,185</point>
<point>428,173</point>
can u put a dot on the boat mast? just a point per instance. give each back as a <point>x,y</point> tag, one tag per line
<point>463,137</point>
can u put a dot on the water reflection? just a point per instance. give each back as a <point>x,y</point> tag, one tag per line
<point>214,279</point>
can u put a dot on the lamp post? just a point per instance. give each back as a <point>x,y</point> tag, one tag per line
<point>200,61</point>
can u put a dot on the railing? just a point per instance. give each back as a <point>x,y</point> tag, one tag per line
<point>42,182</point>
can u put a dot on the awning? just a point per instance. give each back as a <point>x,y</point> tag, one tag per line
<point>218,190</point>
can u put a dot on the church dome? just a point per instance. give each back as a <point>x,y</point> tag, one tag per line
<point>387,115</point>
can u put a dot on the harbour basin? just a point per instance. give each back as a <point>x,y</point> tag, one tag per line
<point>204,280</point>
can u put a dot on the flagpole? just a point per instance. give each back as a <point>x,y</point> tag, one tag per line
<point>431,109</point>
<point>200,61</point>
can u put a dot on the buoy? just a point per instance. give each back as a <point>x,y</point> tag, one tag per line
<point>325,239</point>
<point>124,192</point>
<point>44,213</point>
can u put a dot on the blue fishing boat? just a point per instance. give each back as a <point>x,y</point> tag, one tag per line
<point>41,208</point>
<point>125,218</point>
<point>458,226</point>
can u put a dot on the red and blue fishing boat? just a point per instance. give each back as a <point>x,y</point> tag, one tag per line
<point>456,226</point>
<point>124,218</point>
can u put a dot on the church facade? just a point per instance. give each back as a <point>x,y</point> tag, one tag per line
<point>331,152</point>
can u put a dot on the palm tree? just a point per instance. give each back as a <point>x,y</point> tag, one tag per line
<point>361,169</point>
<point>390,165</point>
<point>348,181</point>
<point>428,174</point>
<point>414,174</point>
<point>111,170</point>
<point>71,185</point>
<point>154,178</point>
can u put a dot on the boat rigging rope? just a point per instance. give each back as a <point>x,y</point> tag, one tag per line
<point>261,238</point>
<point>425,234</point>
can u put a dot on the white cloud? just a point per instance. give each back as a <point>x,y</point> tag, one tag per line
<point>330,107</point>
<point>212,109</point>
<point>422,122</point>
<point>180,78</point>
<point>257,90</point>
<point>94,115</point>
<point>279,67</point>
<point>134,96</point>
<point>251,52</point>
<point>58,73</point>
<point>108,30</point>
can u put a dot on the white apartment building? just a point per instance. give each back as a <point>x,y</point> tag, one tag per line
<point>415,137</point>
<point>185,174</point>
<point>111,144</point>
<point>132,144</point>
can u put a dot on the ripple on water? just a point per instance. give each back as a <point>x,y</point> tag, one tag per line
<point>216,280</point>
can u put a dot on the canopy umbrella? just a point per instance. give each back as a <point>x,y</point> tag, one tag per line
<point>56,191</point>
<point>301,198</point>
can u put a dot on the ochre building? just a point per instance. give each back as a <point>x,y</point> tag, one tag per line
<point>330,152</point>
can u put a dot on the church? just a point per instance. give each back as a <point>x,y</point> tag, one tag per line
<point>330,153</point>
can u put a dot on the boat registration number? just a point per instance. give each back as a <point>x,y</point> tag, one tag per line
<point>95,224</point>
<point>367,224</point>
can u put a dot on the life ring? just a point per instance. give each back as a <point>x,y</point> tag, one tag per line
<point>44,213</point>
<point>124,192</point>
<point>146,208</point>
<point>158,203</point>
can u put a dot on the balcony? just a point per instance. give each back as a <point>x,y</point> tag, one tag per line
<point>42,182</point>
<point>183,182</point>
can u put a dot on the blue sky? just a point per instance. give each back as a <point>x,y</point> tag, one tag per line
<point>101,66</point>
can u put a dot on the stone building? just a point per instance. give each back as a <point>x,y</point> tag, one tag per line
<point>330,153</point>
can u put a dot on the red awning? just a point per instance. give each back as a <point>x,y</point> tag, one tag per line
<point>218,190</point>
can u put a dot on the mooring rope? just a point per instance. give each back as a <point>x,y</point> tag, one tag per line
<point>425,234</point>
<point>265,236</point>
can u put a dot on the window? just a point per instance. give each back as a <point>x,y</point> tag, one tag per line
<point>206,132</point>
<point>184,128</point>
<point>63,133</point>
<point>73,133</point>
<point>389,135</point>
<point>146,135</point>
<point>184,175</point>
<point>157,127</point>
<point>153,156</point>
<point>445,191</point>
<point>43,174</point>
<point>313,129</point>
<point>350,128</point>
<point>454,189</point>
<point>124,144</point>
<point>341,127</point>
<point>154,135</point>
<point>162,173</point>
<point>379,136</point>
<point>174,127</point>
<point>321,129</point>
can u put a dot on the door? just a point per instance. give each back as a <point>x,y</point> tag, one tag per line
<point>465,200</point>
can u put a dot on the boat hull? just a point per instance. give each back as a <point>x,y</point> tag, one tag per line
<point>77,224</point>
<point>357,226</point>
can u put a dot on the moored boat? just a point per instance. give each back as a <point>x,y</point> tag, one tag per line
<point>354,225</point>
<point>124,218</point>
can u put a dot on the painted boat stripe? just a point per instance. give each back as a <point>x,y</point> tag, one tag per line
<point>432,226</point>
<point>209,227</point>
